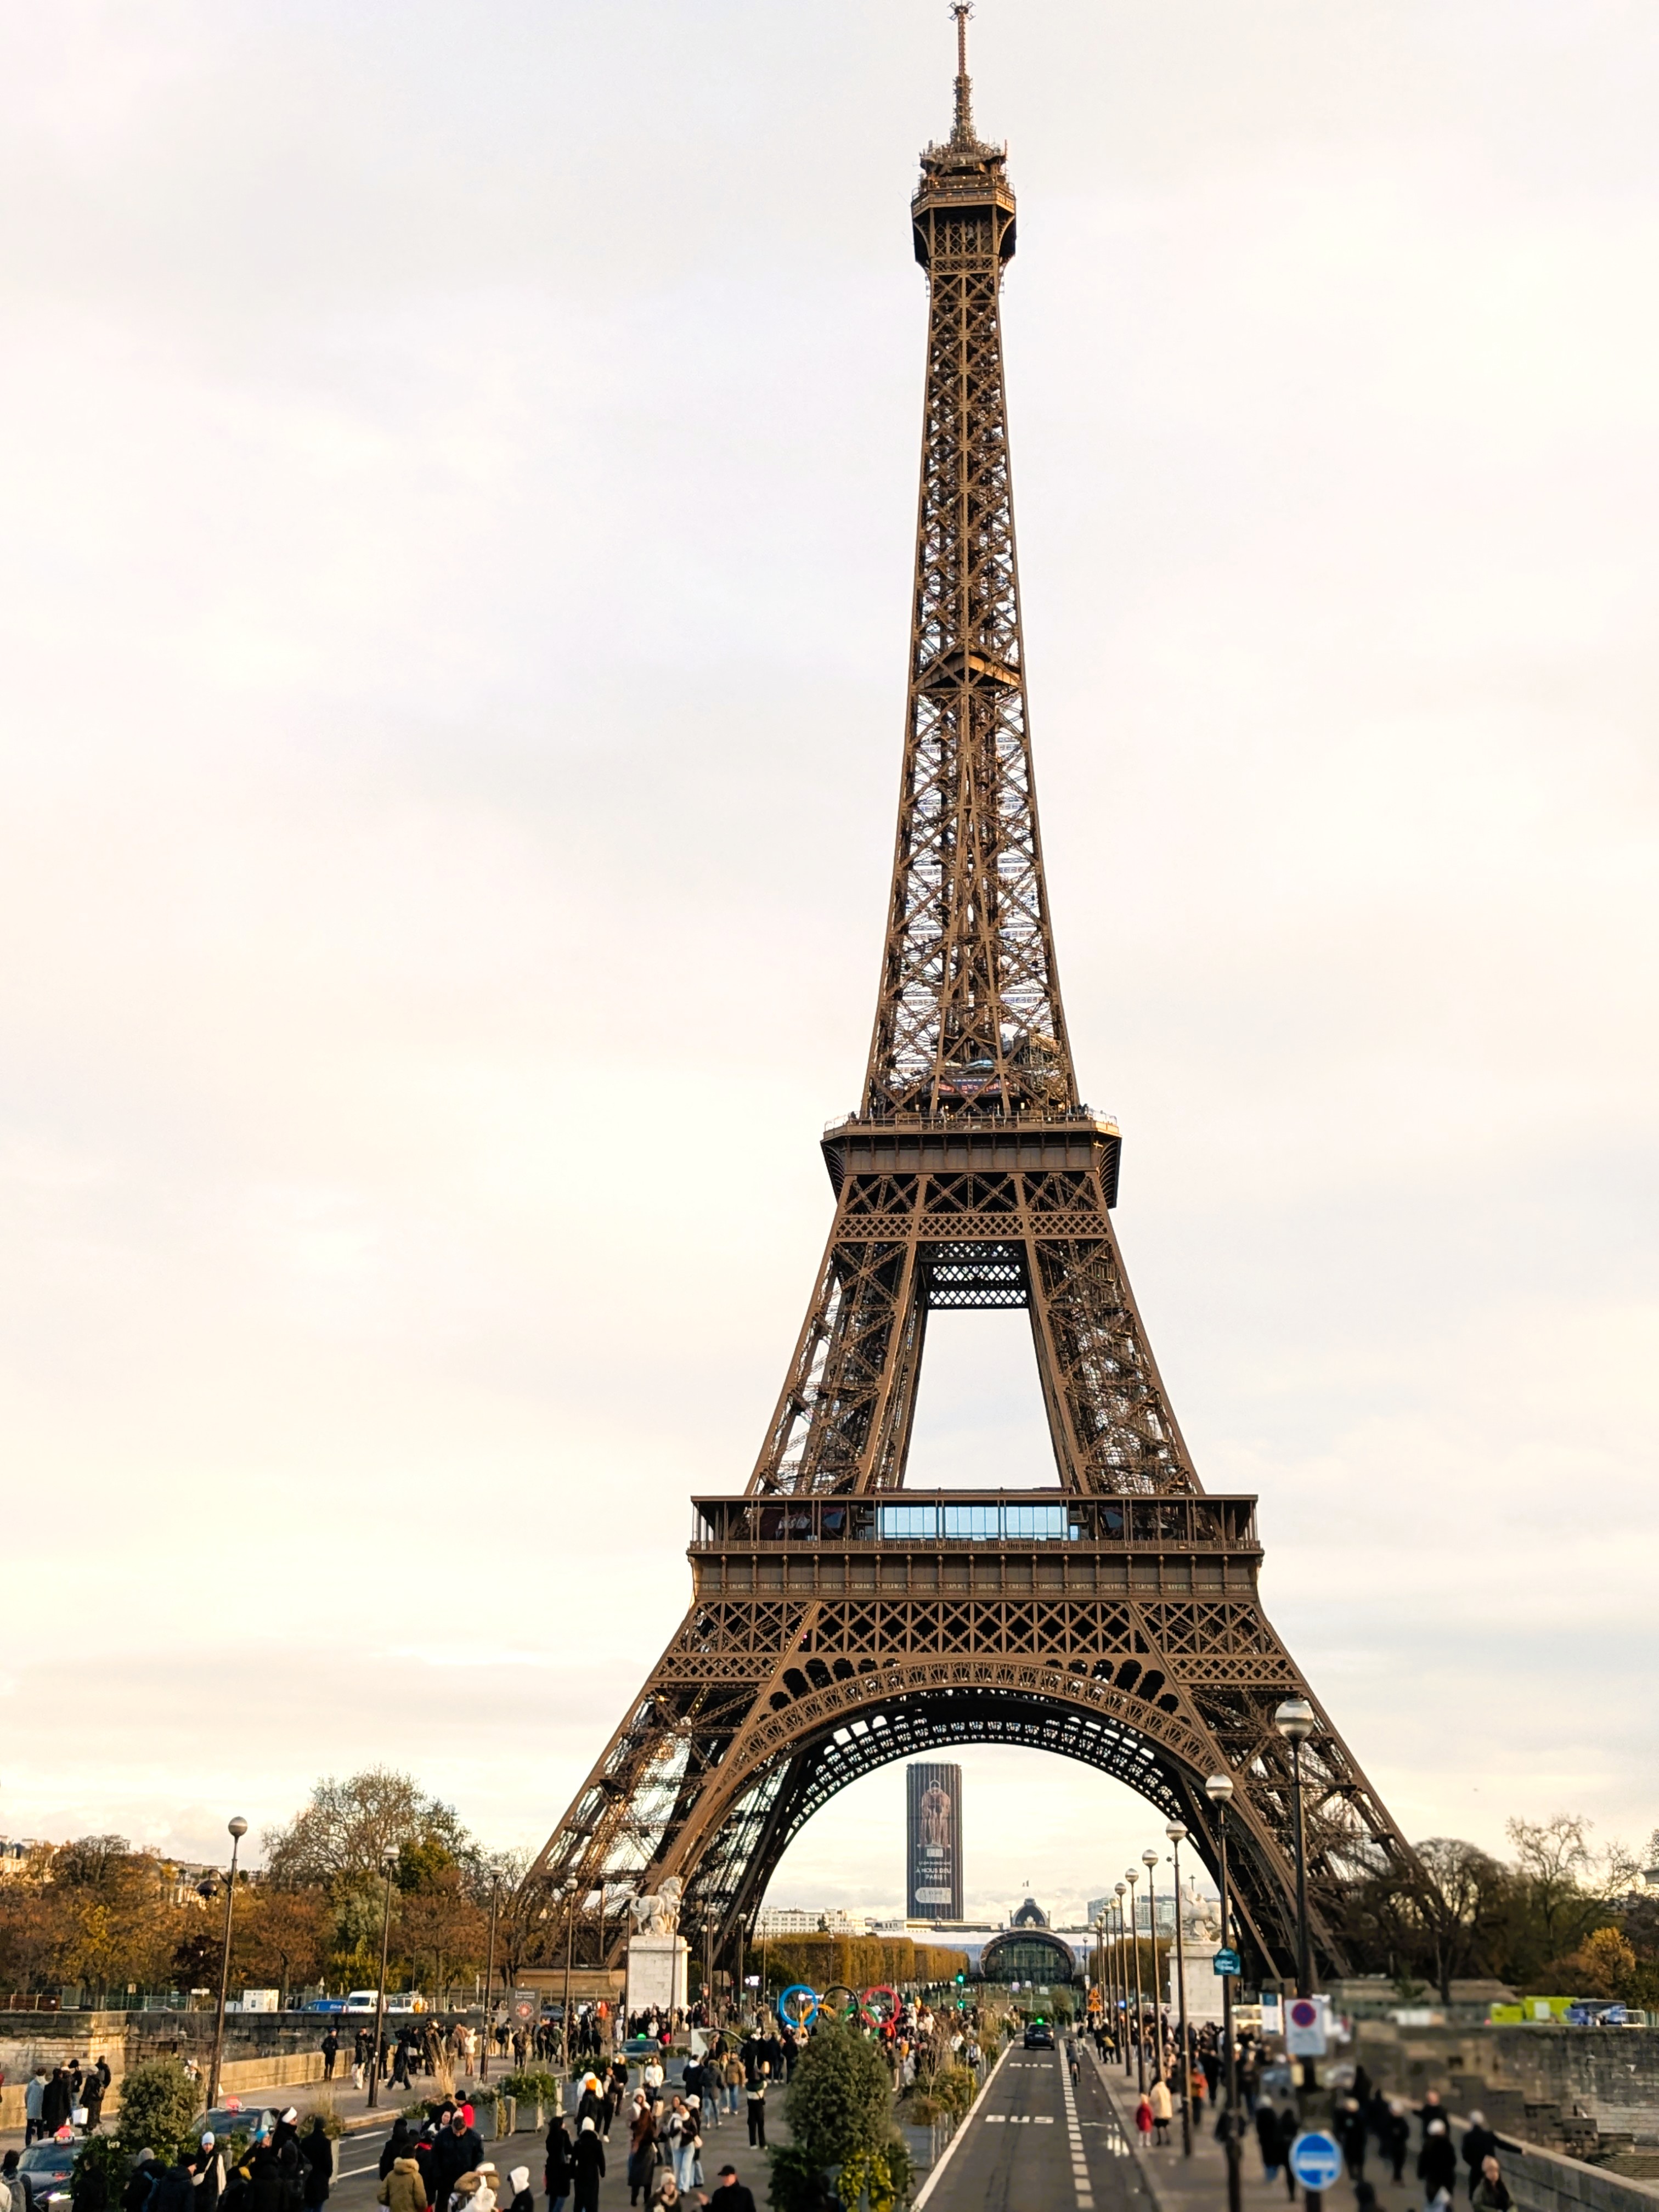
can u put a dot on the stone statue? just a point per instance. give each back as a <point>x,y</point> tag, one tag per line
<point>659,1915</point>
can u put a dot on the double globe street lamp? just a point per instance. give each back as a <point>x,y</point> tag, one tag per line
<point>1219,1791</point>
<point>238,1829</point>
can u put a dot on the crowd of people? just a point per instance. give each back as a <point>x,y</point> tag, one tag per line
<point>1365,2118</point>
<point>438,2165</point>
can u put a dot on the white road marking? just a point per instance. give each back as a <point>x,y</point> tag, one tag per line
<point>1085,2196</point>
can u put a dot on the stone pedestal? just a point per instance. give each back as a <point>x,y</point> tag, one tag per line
<point>656,1973</point>
<point>1203,1983</point>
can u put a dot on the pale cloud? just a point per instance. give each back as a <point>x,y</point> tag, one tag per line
<point>451,611</point>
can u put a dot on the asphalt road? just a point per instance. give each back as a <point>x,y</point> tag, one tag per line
<point>1034,2144</point>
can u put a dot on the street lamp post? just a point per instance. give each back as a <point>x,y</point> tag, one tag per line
<point>1296,1723</point>
<point>490,1978</point>
<point>1176,1832</point>
<point>570,1945</point>
<point>1120,1890</point>
<point>1219,1790</point>
<point>1131,1875</point>
<point>389,1865</point>
<point>1149,1860</point>
<point>238,1829</point>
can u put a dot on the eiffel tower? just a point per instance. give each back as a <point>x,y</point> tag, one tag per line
<point>838,1622</point>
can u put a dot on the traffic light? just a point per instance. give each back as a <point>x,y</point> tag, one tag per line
<point>960,1978</point>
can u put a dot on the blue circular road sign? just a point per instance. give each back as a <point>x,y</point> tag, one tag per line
<point>1316,2159</point>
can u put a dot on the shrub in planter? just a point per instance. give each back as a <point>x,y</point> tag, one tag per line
<point>159,2105</point>
<point>532,2086</point>
<point>839,2106</point>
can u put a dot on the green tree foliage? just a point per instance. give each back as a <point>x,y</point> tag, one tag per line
<point>839,2106</point>
<point>159,2105</point>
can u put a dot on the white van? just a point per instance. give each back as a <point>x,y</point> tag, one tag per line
<point>396,2000</point>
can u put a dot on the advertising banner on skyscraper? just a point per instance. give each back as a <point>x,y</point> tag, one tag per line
<point>934,1837</point>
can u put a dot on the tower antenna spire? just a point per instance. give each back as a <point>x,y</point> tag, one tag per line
<point>962,134</point>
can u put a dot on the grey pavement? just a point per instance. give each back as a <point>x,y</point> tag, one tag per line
<point>1199,2183</point>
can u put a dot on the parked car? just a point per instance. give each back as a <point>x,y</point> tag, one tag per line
<point>234,2120</point>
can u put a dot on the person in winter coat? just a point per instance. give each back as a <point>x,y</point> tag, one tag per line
<point>756,2107</point>
<point>642,2151</point>
<point>1267,2135</point>
<point>1396,2138</point>
<point>317,2157</point>
<point>1479,2144</point>
<point>457,2150</point>
<point>402,2189</point>
<point>556,2175</point>
<point>209,2171</point>
<point>1289,2125</point>
<point>141,2185</point>
<point>1144,2120</point>
<point>1489,2193</point>
<point>733,2070</point>
<point>488,2190</point>
<point>1353,2136</point>
<point>588,2164</point>
<point>397,2146</point>
<point>730,2195</point>
<point>57,2102</point>
<point>521,2200</point>
<point>175,2191</point>
<point>1162,2107</point>
<point>92,2096</point>
<point>1437,2166</point>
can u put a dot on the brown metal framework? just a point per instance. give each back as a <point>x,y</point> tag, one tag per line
<point>836,1625</point>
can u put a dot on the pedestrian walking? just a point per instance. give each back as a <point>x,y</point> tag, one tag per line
<point>757,2108</point>
<point>1437,2168</point>
<point>330,2052</point>
<point>1491,2193</point>
<point>730,2195</point>
<point>1287,2126</point>
<point>556,2175</point>
<point>588,2164</point>
<point>1396,2137</point>
<point>1353,2134</point>
<point>402,2189</point>
<point>641,2148</point>
<point>209,2171</point>
<point>1479,2144</point>
<point>732,2069</point>
<point>1163,2108</point>
<point>318,2154</point>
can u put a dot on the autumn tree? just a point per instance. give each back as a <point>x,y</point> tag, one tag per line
<point>342,1836</point>
<point>1456,1903</point>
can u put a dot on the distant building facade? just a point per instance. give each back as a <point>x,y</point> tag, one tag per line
<point>776,1920</point>
<point>933,1863</point>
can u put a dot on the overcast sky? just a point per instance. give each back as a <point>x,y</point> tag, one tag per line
<point>458,504</point>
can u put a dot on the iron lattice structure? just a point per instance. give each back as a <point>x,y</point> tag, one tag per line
<point>835,1625</point>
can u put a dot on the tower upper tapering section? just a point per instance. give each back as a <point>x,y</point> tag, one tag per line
<point>968,1020</point>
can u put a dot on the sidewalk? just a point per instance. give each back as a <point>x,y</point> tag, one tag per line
<point>1199,2183</point>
